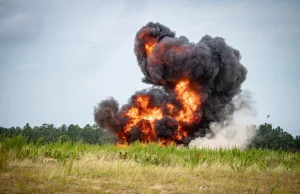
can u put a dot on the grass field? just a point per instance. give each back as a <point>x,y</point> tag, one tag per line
<point>81,168</point>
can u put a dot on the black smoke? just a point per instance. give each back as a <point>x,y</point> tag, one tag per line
<point>210,64</point>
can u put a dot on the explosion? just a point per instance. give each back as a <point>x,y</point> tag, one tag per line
<point>193,85</point>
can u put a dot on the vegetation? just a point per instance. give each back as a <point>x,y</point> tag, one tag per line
<point>139,168</point>
<point>275,139</point>
<point>266,136</point>
<point>72,159</point>
<point>47,133</point>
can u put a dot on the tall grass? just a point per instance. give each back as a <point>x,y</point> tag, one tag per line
<point>10,148</point>
<point>139,168</point>
<point>150,154</point>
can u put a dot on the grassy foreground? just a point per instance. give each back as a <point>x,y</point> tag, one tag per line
<point>81,168</point>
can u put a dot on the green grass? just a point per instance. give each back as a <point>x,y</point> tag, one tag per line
<point>138,168</point>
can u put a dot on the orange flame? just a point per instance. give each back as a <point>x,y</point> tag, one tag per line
<point>121,145</point>
<point>189,99</point>
<point>149,47</point>
<point>170,108</point>
<point>150,42</point>
<point>143,117</point>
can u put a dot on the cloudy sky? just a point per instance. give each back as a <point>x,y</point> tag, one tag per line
<point>60,58</point>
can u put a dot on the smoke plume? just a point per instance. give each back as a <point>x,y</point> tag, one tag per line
<point>235,131</point>
<point>193,86</point>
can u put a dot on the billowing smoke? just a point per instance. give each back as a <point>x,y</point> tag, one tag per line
<point>235,131</point>
<point>193,85</point>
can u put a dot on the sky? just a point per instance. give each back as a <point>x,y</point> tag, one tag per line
<point>58,59</point>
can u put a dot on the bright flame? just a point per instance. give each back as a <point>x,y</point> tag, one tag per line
<point>189,99</point>
<point>170,108</point>
<point>190,102</point>
<point>121,145</point>
<point>142,116</point>
<point>149,47</point>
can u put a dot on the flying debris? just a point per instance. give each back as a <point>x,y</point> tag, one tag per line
<point>195,84</point>
<point>268,116</point>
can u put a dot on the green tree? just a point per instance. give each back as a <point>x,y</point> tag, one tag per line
<point>297,142</point>
<point>269,138</point>
<point>28,132</point>
<point>88,135</point>
<point>63,129</point>
<point>48,132</point>
<point>73,132</point>
<point>64,138</point>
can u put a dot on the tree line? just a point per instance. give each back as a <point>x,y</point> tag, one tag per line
<point>266,136</point>
<point>48,133</point>
<point>275,139</point>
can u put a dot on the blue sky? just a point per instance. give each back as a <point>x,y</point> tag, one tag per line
<point>60,58</point>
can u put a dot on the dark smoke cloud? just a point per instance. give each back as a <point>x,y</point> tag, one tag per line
<point>105,113</point>
<point>211,64</point>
